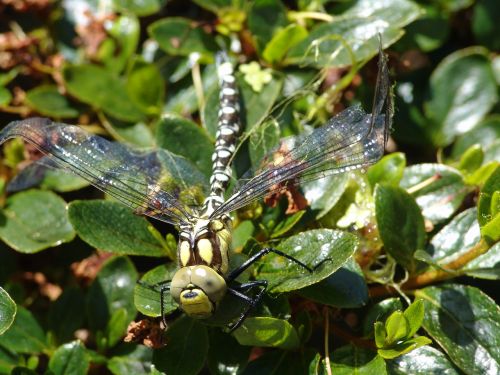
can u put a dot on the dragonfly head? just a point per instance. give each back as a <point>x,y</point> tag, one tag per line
<point>198,290</point>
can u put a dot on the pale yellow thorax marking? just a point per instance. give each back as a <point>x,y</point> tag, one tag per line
<point>205,250</point>
<point>184,253</point>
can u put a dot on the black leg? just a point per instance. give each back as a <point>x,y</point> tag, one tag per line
<point>163,290</point>
<point>252,302</point>
<point>238,271</point>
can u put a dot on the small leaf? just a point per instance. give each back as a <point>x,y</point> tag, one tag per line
<point>438,189</point>
<point>176,134</point>
<point>400,224</point>
<point>70,359</point>
<point>110,291</point>
<point>380,334</point>
<point>404,347</point>
<point>325,249</point>
<point>103,90</point>
<point>181,37</point>
<point>25,334</point>
<point>132,359</point>
<point>324,193</point>
<point>464,322</point>
<point>489,207</point>
<point>266,17</point>
<point>187,356</point>
<point>422,361</point>
<point>463,91</point>
<point>284,39</point>
<point>146,87</point>
<point>414,314</point>
<point>471,159</point>
<point>109,226</point>
<point>47,101</point>
<point>397,328</point>
<point>267,332</point>
<point>484,134</point>
<point>8,311</point>
<point>5,96</point>
<point>388,170</point>
<point>139,8</point>
<point>35,220</point>
<point>350,359</point>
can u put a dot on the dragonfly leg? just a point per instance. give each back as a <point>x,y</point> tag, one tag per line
<point>254,258</point>
<point>251,302</point>
<point>163,290</point>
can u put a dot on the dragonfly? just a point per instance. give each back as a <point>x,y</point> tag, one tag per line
<point>155,184</point>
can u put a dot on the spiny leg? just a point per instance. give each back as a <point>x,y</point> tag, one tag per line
<point>164,288</point>
<point>251,302</point>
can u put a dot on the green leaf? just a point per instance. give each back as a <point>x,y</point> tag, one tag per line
<point>284,39</point>
<point>350,359</point>
<point>486,23</point>
<point>380,334</point>
<point>139,8</point>
<point>324,193</point>
<point>132,359</point>
<point>404,347</point>
<point>222,361</point>
<point>214,5</point>
<point>34,220</point>
<point>488,213</point>
<point>267,332</point>
<point>176,134</point>
<point>422,361</point>
<point>5,96</point>
<point>464,322</point>
<point>485,134</point>
<point>359,28</point>
<point>8,311</point>
<point>414,314</point>
<point>438,189</point>
<point>471,159</point>
<point>287,224</point>
<point>380,312</point>
<point>8,360</point>
<point>25,334</point>
<point>138,134</point>
<point>456,238</point>
<point>486,266</point>
<point>281,362</point>
<point>188,354</point>
<point>117,326</point>
<point>263,140</point>
<point>400,224</point>
<point>110,291</point>
<point>47,101</point>
<point>397,328</point>
<point>110,226</point>
<point>388,170</point>
<point>103,90</point>
<point>325,249</point>
<point>117,50</point>
<point>345,288</point>
<point>265,18</point>
<point>146,87</point>
<point>147,299</point>
<point>70,359</point>
<point>181,37</point>
<point>66,314</point>
<point>463,90</point>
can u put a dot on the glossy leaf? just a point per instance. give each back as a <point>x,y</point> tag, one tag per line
<point>471,159</point>
<point>267,332</point>
<point>486,266</point>
<point>132,359</point>
<point>109,226</point>
<point>103,90</point>
<point>462,92</point>
<point>146,87</point>
<point>464,322</point>
<point>485,134</point>
<point>188,354</point>
<point>389,170</point>
<point>48,101</point>
<point>8,311</point>
<point>25,334</point>
<point>70,358</point>
<point>284,39</point>
<point>404,347</point>
<point>400,224</point>
<point>438,189</point>
<point>323,194</point>
<point>351,359</point>
<point>422,361</point>
<point>180,37</point>
<point>176,134</point>
<point>380,312</point>
<point>345,288</point>
<point>112,290</point>
<point>325,249</point>
<point>35,220</point>
<point>489,207</point>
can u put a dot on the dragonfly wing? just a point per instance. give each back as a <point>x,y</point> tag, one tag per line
<point>148,182</point>
<point>350,140</point>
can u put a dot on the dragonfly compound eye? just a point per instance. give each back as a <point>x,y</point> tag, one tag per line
<point>198,289</point>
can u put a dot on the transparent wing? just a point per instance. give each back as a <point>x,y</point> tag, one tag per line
<point>350,140</point>
<point>153,183</point>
